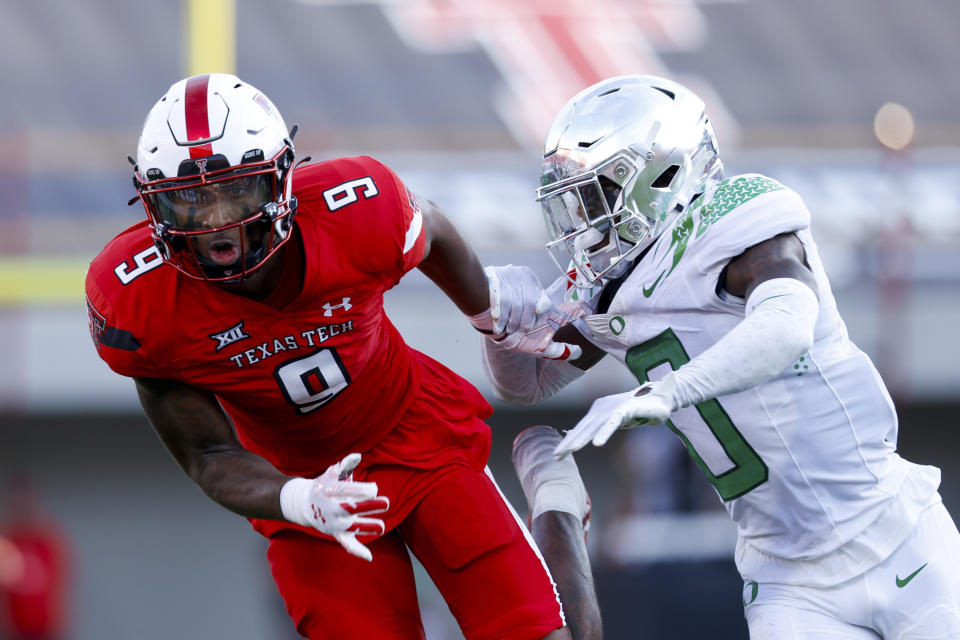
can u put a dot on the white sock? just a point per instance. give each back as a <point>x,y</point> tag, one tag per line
<point>548,484</point>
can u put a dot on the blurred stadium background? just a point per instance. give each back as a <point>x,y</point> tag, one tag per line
<point>850,102</point>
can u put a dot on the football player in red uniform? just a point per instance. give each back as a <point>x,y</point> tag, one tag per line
<point>248,308</point>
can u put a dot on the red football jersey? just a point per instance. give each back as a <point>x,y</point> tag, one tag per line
<point>326,375</point>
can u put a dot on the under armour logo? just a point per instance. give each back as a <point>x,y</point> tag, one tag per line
<point>328,308</point>
<point>229,336</point>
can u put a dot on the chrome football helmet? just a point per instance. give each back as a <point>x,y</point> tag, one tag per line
<point>622,159</point>
<point>213,171</point>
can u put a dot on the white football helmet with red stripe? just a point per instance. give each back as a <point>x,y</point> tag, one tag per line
<point>213,171</point>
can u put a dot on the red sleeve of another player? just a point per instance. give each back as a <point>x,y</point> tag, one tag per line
<point>400,240</point>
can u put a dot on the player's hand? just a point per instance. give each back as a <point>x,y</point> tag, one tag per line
<point>647,405</point>
<point>516,298</point>
<point>523,316</point>
<point>539,342</point>
<point>342,508</point>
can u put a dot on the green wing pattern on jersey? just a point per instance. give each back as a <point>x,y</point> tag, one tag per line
<point>730,194</point>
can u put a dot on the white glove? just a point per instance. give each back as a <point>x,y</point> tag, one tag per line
<point>522,317</point>
<point>538,341</point>
<point>336,505</point>
<point>647,405</point>
<point>516,298</point>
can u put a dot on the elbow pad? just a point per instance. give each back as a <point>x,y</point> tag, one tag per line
<point>784,311</point>
<point>778,328</point>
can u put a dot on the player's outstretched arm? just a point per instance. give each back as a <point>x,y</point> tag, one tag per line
<point>502,307</point>
<point>559,510</point>
<point>541,351</point>
<point>522,316</point>
<point>508,300</point>
<point>201,439</point>
<point>780,315</point>
<point>524,379</point>
<point>450,262</point>
<point>198,434</point>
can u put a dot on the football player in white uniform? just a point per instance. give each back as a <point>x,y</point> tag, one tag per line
<point>711,291</point>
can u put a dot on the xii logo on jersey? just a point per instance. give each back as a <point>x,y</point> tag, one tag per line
<point>328,308</point>
<point>228,337</point>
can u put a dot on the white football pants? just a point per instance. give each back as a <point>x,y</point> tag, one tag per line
<point>912,595</point>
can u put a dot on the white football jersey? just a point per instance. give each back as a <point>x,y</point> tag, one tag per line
<point>805,463</point>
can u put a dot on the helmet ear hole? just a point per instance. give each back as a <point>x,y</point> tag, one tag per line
<point>666,92</point>
<point>664,179</point>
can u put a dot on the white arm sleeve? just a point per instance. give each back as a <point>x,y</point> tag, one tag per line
<point>521,378</point>
<point>778,328</point>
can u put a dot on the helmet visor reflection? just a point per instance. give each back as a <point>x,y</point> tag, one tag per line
<point>575,208</point>
<point>212,205</point>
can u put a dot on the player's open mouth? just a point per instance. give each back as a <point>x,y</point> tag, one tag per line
<point>224,252</point>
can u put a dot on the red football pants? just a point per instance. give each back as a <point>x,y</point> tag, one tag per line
<point>469,541</point>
